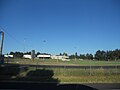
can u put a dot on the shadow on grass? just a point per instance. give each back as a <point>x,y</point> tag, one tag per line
<point>7,72</point>
<point>41,75</point>
<point>12,72</point>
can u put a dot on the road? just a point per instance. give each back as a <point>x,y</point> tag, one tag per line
<point>81,67</point>
<point>66,66</point>
<point>54,86</point>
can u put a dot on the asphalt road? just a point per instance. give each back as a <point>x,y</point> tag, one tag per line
<point>55,86</point>
<point>81,67</point>
<point>64,66</point>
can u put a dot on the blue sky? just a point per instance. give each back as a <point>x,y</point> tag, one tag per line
<point>57,26</point>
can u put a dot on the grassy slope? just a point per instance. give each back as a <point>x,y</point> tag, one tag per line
<point>83,75</point>
<point>73,75</point>
<point>76,75</point>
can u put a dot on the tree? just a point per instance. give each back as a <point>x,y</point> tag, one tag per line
<point>38,53</point>
<point>113,55</point>
<point>87,56</point>
<point>29,53</point>
<point>76,56</point>
<point>82,56</point>
<point>17,54</point>
<point>100,55</point>
<point>65,54</point>
<point>108,55</point>
<point>116,54</point>
<point>90,57</point>
<point>11,53</point>
<point>60,54</point>
<point>72,56</point>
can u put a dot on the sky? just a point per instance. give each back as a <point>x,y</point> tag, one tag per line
<point>57,26</point>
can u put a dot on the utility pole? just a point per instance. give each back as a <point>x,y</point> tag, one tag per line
<point>1,47</point>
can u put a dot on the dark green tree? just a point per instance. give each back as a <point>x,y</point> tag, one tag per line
<point>72,56</point>
<point>100,55</point>
<point>29,53</point>
<point>38,53</point>
<point>11,53</point>
<point>60,54</point>
<point>82,56</point>
<point>76,55</point>
<point>18,55</point>
<point>65,54</point>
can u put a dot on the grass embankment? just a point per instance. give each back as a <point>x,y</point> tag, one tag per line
<point>83,75</point>
<point>61,75</point>
<point>68,75</point>
<point>87,75</point>
<point>60,62</point>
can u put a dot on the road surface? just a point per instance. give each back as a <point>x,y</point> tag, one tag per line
<point>65,66</point>
<point>54,86</point>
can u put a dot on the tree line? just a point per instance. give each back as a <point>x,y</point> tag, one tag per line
<point>108,55</point>
<point>99,55</point>
<point>82,56</point>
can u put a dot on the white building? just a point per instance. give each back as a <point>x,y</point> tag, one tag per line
<point>44,56</point>
<point>10,56</point>
<point>48,56</point>
<point>27,56</point>
<point>60,57</point>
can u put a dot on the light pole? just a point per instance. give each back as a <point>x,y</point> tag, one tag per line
<point>24,46</point>
<point>116,64</point>
<point>44,41</point>
<point>75,53</point>
<point>90,67</point>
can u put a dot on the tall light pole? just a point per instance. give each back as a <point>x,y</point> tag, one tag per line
<point>24,45</point>
<point>90,67</point>
<point>116,65</point>
<point>44,41</point>
<point>75,52</point>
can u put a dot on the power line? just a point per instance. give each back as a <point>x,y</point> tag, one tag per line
<point>12,37</point>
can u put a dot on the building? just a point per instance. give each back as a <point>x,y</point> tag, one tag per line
<point>27,56</point>
<point>48,56</point>
<point>60,57</point>
<point>10,56</point>
<point>44,56</point>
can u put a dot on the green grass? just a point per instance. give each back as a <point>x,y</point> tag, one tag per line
<point>90,79</point>
<point>69,75</point>
<point>85,75</point>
